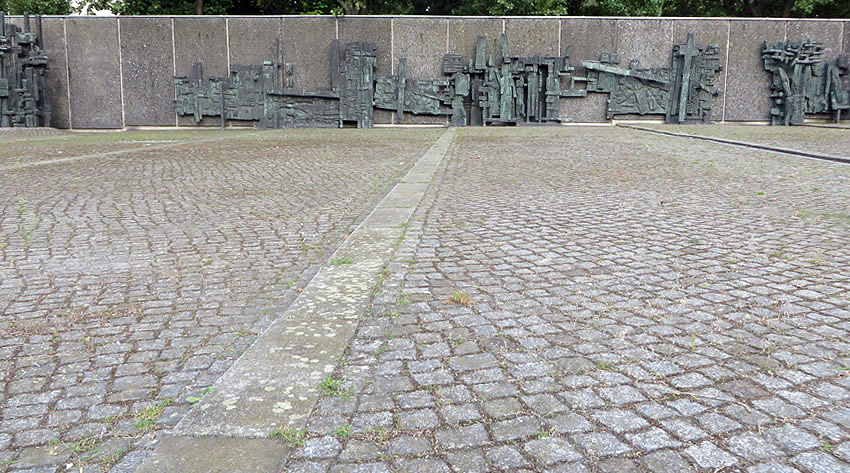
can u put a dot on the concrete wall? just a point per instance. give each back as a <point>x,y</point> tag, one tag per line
<point>113,72</point>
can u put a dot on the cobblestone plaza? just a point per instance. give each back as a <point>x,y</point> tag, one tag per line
<point>548,299</point>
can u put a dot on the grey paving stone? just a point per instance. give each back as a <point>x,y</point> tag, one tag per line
<point>619,420</point>
<point>513,429</point>
<point>820,462</point>
<point>792,439</point>
<point>321,447</point>
<point>462,437</point>
<point>601,444</point>
<point>666,461</point>
<point>549,451</point>
<point>652,439</point>
<point>772,467</point>
<point>707,455</point>
<point>505,458</point>
<point>418,419</point>
<point>753,447</point>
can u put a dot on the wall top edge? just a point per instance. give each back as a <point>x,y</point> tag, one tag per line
<point>443,17</point>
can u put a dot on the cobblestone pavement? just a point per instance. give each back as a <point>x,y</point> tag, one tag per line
<point>129,283</point>
<point>819,139</point>
<point>603,300</point>
<point>29,146</point>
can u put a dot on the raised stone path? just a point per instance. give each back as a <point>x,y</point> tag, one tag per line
<point>562,299</point>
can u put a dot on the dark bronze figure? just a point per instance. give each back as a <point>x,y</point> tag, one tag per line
<point>803,82</point>
<point>23,67</point>
<point>683,93</point>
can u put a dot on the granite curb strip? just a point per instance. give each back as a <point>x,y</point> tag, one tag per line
<point>745,144</point>
<point>276,382</point>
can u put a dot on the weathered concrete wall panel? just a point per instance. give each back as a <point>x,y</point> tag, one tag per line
<point>94,72</point>
<point>747,84</point>
<point>201,40</point>
<point>464,33</point>
<point>648,41</point>
<point>252,40</point>
<point>306,44</point>
<point>147,62</point>
<point>586,38</point>
<point>423,41</point>
<point>707,32</point>
<point>57,75</point>
<point>378,31</point>
<point>830,33</point>
<point>532,37</point>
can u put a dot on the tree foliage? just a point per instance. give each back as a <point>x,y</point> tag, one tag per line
<point>732,8</point>
<point>43,7</point>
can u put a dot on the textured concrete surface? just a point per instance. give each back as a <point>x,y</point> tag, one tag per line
<point>532,37</point>
<point>423,41</point>
<point>201,40</point>
<point>708,32</point>
<point>57,78</point>
<point>94,69</point>
<point>586,39</point>
<point>147,64</point>
<point>129,283</point>
<point>748,84</point>
<point>252,40</point>
<point>306,45</point>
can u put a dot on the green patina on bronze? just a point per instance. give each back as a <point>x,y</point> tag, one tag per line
<point>481,90</point>
<point>804,82</point>
<point>682,93</point>
<point>23,66</point>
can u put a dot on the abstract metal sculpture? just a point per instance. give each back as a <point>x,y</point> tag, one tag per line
<point>683,93</point>
<point>803,82</point>
<point>482,91</point>
<point>23,66</point>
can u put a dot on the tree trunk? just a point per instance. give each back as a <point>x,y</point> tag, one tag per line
<point>199,7</point>
<point>786,12</point>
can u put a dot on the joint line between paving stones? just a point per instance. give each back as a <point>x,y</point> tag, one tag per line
<point>744,144</point>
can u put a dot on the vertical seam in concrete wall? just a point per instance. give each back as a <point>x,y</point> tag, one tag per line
<point>121,73</point>
<point>392,60</point>
<point>726,69</point>
<point>227,42</point>
<point>283,47</point>
<point>503,25</point>
<point>559,37</point>
<point>616,38</point>
<point>786,32</point>
<point>174,70</point>
<point>67,72</point>
<point>447,35</point>
<point>336,26</point>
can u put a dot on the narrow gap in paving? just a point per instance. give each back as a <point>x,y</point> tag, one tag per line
<point>273,387</point>
<point>744,144</point>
